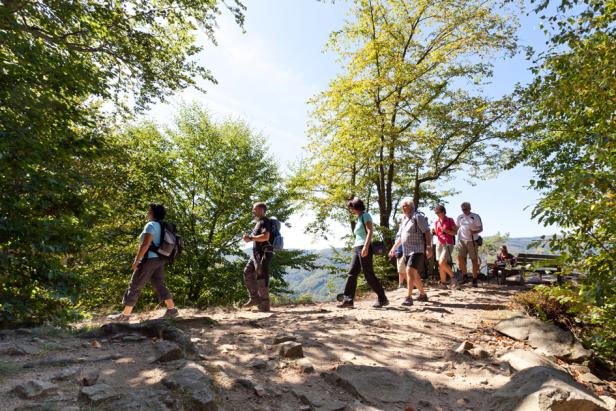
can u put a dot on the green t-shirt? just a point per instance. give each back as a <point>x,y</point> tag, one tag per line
<point>360,230</point>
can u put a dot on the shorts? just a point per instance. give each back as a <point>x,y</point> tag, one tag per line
<point>416,261</point>
<point>444,252</point>
<point>401,265</point>
<point>465,248</point>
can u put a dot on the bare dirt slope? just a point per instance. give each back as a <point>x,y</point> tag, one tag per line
<point>396,358</point>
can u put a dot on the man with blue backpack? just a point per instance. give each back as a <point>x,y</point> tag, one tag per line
<point>266,239</point>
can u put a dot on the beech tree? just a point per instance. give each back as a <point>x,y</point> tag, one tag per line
<point>403,113</point>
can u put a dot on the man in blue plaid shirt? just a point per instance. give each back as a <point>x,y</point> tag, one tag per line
<point>416,238</point>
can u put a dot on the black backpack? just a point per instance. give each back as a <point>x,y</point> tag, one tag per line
<point>171,243</point>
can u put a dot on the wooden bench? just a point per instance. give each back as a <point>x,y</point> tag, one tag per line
<point>540,264</point>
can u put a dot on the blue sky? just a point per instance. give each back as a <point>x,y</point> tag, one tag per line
<point>267,74</point>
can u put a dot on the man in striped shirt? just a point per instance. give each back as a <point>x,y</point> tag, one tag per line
<point>416,238</point>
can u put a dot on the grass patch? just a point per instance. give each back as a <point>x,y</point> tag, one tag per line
<point>8,369</point>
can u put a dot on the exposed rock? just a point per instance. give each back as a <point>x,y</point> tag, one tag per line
<point>88,377</point>
<point>259,390</point>
<point>547,338</point>
<point>195,385</point>
<point>167,351</point>
<point>590,378</point>
<point>279,339</point>
<point>544,389</point>
<point>159,328</point>
<point>521,359</point>
<point>34,389</point>
<point>97,393</point>
<point>66,374</point>
<point>68,360</point>
<point>464,347</point>
<point>291,349</point>
<point>316,400</point>
<point>305,365</point>
<point>243,382</point>
<point>479,352</point>
<point>11,349</point>
<point>258,364</point>
<point>140,400</point>
<point>133,338</point>
<point>380,384</point>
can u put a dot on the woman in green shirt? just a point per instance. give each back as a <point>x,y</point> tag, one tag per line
<point>362,258</point>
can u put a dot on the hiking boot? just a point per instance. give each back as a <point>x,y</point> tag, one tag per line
<point>381,303</point>
<point>171,313</point>
<point>119,318</point>
<point>408,301</point>
<point>474,283</point>
<point>423,297</point>
<point>454,284</point>
<point>464,279</point>
<point>442,286</point>
<point>346,303</point>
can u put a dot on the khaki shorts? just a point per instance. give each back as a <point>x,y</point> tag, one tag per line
<point>467,248</point>
<point>444,252</point>
<point>401,265</point>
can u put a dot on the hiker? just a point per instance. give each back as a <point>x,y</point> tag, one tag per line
<point>502,259</point>
<point>469,226</point>
<point>416,239</point>
<point>257,270</point>
<point>362,258</point>
<point>148,266</point>
<point>445,229</point>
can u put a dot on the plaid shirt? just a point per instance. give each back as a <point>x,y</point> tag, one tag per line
<point>412,233</point>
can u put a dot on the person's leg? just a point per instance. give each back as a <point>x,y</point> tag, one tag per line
<point>263,281</point>
<point>401,272</point>
<point>354,270</point>
<point>158,283</point>
<point>140,276</point>
<point>250,280</point>
<point>474,256</point>
<point>418,262</point>
<point>374,283</point>
<point>462,252</point>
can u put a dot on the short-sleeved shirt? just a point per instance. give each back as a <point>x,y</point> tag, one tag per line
<point>262,227</point>
<point>467,223</point>
<point>412,233</point>
<point>360,229</point>
<point>154,228</point>
<point>446,224</point>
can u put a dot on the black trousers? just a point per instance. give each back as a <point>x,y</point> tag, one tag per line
<point>358,264</point>
<point>258,266</point>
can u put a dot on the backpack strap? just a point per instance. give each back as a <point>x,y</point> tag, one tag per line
<point>152,247</point>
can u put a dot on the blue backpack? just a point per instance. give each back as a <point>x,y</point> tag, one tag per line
<point>276,240</point>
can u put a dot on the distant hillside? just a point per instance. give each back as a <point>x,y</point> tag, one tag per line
<point>322,285</point>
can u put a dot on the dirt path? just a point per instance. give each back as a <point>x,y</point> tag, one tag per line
<point>395,358</point>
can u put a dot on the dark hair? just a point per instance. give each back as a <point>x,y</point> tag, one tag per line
<point>158,211</point>
<point>440,207</point>
<point>262,205</point>
<point>356,204</point>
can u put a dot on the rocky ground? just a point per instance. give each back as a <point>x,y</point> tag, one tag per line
<point>462,350</point>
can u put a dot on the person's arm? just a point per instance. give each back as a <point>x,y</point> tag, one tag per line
<point>427,234</point>
<point>366,248</point>
<point>397,243</point>
<point>478,226</point>
<point>452,228</point>
<point>261,237</point>
<point>142,250</point>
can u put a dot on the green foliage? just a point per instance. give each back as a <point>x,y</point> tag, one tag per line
<point>60,64</point>
<point>208,174</point>
<point>395,121</point>
<point>568,128</point>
